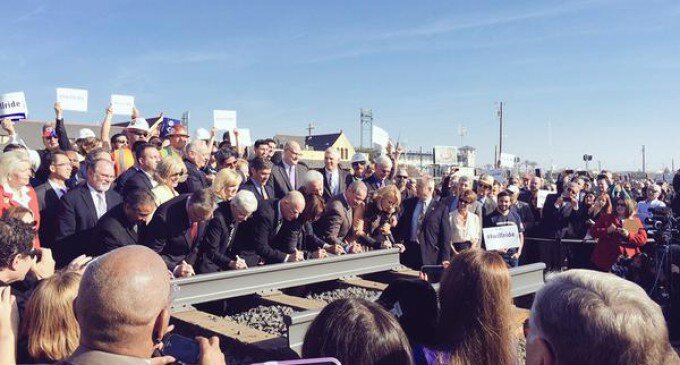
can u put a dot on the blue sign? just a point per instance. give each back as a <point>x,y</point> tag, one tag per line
<point>168,126</point>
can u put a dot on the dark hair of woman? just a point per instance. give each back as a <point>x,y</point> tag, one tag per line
<point>475,324</point>
<point>356,331</point>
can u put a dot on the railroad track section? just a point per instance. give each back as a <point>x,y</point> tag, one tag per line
<point>266,283</point>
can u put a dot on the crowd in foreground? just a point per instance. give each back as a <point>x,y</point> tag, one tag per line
<point>134,200</point>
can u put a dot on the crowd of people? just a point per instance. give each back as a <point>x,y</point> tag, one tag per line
<point>149,209</point>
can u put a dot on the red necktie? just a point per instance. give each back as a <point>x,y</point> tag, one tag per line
<point>194,232</point>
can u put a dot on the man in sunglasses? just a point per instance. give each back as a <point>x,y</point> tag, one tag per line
<point>485,194</point>
<point>178,142</point>
<point>358,162</point>
<point>137,130</point>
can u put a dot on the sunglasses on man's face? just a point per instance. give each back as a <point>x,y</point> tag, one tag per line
<point>356,164</point>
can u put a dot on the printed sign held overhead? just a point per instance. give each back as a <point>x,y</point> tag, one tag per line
<point>13,106</point>
<point>224,119</point>
<point>72,99</point>
<point>122,104</point>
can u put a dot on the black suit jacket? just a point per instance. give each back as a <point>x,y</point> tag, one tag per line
<point>254,238</point>
<point>121,181</point>
<point>48,203</point>
<point>77,219</point>
<point>114,230</point>
<point>250,186</point>
<point>279,179</point>
<point>138,180</point>
<point>195,181</point>
<point>342,175</point>
<point>215,248</point>
<point>169,233</point>
<point>435,238</point>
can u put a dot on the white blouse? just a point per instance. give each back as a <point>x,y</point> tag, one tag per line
<point>471,230</point>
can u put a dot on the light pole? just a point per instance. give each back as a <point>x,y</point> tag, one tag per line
<point>587,158</point>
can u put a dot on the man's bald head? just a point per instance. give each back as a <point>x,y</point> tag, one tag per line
<point>121,296</point>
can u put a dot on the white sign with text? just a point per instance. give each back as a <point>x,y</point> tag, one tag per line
<point>72,99</point>
<point>540,198</point>
<point>13,105</point>
<point>224,119</point>
<point>501,238</point>
<point>122,104</point>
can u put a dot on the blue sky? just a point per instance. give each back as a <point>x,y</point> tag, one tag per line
<point>604,74</point>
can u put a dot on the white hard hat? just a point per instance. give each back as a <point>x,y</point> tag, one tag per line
<point>202,133</point>
<point>85,133</point>
<point>140,124</point>
<point>359,157</point>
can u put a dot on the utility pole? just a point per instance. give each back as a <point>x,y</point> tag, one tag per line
<point>643,158</point>
<point>310,128</point>
<point>599,165</point>
<point>496,159</point>
<point>500,135</point>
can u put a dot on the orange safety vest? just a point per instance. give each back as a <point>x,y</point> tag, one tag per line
<point>123,159</point>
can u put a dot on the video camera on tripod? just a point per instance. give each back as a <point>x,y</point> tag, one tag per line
<point>664,226</point>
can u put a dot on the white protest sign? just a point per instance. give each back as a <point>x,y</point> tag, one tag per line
<point>244,138</point>
<point>13,106</point>
<point>501,238</point>
<point>380,136</point>
<point>122,104</point>
<point>72,99</point>
<point>497,174</point>
<point>224,119</point>
<point>540,198</point>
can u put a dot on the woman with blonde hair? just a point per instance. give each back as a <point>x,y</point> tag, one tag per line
<point>225,185</point>
<point>169,173</point>
<point>16,170</point>
<point>475,323</point>
<point>242,169</point>
<point>374,221</point>
<point>49,327</point>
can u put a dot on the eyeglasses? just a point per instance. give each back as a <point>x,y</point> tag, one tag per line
<point>140,133</point>
<point>294,153</point>
<point>402,177</point>
<point>355,164</point>
<point>484,186</point>
<point>463,202</point>
<point>50,137</point>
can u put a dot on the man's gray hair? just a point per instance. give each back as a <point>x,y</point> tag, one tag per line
<point>357,186</point>
<point>426,180</point>
<point>383,161</point>
<point>291,144</point>
<point>245,201</point>
<point>312,176</point>
<point>295,197</point>
<point>195,146</point>
<point>464,179</point>
<point>589,317</point>
<point>333,151</point>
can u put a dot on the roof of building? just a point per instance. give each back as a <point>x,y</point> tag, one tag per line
<point>281,139</point>
<point>321,142</point>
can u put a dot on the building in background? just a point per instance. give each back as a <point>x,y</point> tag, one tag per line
<point>467,156</point>
<point>313,147</point>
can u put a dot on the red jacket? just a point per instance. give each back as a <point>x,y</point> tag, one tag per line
<point>609,246</point>
<point>6,201</point>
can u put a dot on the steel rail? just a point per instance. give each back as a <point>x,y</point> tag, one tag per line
<point>237,283</point>
<point>525,279</point>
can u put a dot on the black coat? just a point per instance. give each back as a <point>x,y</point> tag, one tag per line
<point>214,251</point>
<point>195,181</point>
<point>138,180</point>
<point>279,179</point>
<point>257,238</point>
<point>115,230</point>
<point>327,194</point>
<point>169,233</point>
<point>77,219</point>
<point>48,203</point>
<point>435,239</point>
<point>250,186</point>
<point>122,180</point>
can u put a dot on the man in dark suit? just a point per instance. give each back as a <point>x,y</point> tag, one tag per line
<point>147,156</point>
<point>81,208</point>
<point>124,224</point>
<point>335,225</point>
<point>215,252</point>
<point>424,227</point>
<point>288,174</point>
<point>177,227</point>
<point>485,194</point>
<point>564,216</point>
<point>334,178</point>
<point>380,177</point>
<point>271,236</point>
<point>464,183</point>
<point>260,172</point>
<point>49,195</point>
<point>195,160</point>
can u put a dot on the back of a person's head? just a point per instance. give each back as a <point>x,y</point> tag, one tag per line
<point>356,331</point>
<point>414,303</point>
<point>475,302</point>
<point>49,322</point>
<point>121,296</point>
<point>588,317</point>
